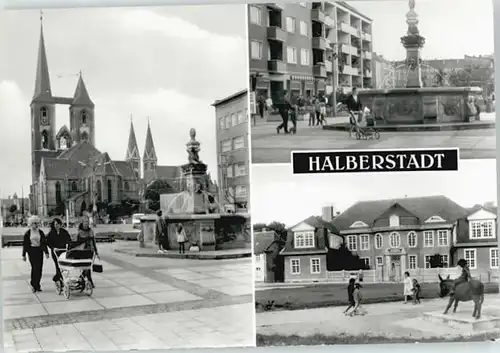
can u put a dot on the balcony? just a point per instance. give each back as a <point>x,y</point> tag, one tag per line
<point>354,71</point>
<point>329,66</point>
<point>355,31</point>
<point>319,70</point>
<point>319,43</point>
<point>276,33</point>
<point>346,70</point>
<point>345,48</point>
<point>276,66</point>
<point>344,27</point>
<point>318,15</point>
<point>368,74</point>
<point>329,21</point>
<point>366,36</point>
<point>353,50</point>
<point>275,6</point>
<point>367,55</point>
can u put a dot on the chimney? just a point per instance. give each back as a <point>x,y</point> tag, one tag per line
<point>328,213</point>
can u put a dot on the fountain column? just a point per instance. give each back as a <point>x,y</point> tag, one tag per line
<point>413,43</point>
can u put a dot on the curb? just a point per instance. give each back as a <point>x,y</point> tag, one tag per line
<point>193,256</point>
<point>423,127</point>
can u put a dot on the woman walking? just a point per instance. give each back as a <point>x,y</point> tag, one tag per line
<point>408,286</point>
<point>181,238</point>
<point>87,238</point>
<point>58,238</point>
<point>350,295</point>
<point>35,245</point>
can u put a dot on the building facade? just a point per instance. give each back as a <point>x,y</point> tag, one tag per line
<point>266,251</point>
<point>308,48</point>
<point>231,115</point>
<point>383,72</point>
<point>68,172</point>
<point>393,236</point>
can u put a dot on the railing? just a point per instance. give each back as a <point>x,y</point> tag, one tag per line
<point>344,27</point>
<point>329,21</point>
<point>329,66</point>
<point>346,49</point>
<point>367,55</point>
<point>353,50</point>
<point>366,36</point>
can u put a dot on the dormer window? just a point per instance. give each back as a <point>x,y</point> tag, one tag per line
<point>84,117</point>
<point>304,240</point>
<point>482,229</point>
<point>394,220</point>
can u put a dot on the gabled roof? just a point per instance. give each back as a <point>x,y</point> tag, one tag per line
<point>125,169</point>
<point>421,207</point>
<point>149,150</point>
<point>81,96</point>
<point>132,149</point>
<point>82,151</point>
<point>42,81</point>
<point>319,238</point>
<point>63,131</point>
<point>475,208</point>
<point>105,166</point>
<point>318,222</point>
<point>262,241</point>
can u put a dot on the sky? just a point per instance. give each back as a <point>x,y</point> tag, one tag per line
<point>452,28</point>
<point>278,195</point>
<point>168,63</point>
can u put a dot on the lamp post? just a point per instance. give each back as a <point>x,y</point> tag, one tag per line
<point>93,188</point>
<point>225,162</point>
<point>334,81</point>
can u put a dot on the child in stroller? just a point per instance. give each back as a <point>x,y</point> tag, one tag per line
<point>362,123</point>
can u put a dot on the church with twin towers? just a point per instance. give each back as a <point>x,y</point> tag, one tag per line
<point>69,173</point>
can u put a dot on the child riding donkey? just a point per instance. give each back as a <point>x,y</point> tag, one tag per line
<point>464,275</point>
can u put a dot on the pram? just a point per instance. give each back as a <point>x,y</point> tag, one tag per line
<point>72,263</point>
<point>363,124</point>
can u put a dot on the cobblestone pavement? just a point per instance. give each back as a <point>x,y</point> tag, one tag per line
<point>385,319</point>
<point>138,303</point>
<point>268,147</point>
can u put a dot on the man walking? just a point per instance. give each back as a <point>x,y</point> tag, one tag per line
<point>161,233</point>
<point>284,109</point>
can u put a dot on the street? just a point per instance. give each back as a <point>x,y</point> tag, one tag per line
<point>269,147</point>
<point>138,303</point>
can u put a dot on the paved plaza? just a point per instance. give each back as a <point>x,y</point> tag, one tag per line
<point>138,303</point>
<point>391,320</point>
<point>269,147</point>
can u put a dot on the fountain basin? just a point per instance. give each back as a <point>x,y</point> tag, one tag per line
<point>464,321</point>
<point>425,105</point>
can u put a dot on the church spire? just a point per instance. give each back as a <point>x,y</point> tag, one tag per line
<point>132,149</point>
<point>81,96</point>
<point>149,150</point>
<point>42,82</point>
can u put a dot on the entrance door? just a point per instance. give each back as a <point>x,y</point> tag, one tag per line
<point>395,270</point>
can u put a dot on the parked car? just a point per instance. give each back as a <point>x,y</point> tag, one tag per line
<point>136,220</point>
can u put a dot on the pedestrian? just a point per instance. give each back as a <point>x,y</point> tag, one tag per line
<point>317,110</point>
<point>284,108</point>
<point>57,239</point>
<point>35,245</point>
<point>161,233</point>
<point>350,295</point>
<point>293,117</point>
<point>462,269</point>
<point>181,238</point>
<point>261,104</point>
<point>358,298</point>
<point>408,286</point>
<point>416,292</point>
<point>354,107</point>
<point>86,236</point>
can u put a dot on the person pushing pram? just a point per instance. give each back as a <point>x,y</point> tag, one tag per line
<point>361,121</point>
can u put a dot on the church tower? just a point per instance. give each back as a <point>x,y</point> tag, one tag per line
<point>133,156</point>
<point>82,123</point>
<point>43,119</point>
<point>149,158</point>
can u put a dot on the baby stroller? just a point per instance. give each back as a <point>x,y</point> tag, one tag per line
<point>363,124</point>
<point>72,263</point>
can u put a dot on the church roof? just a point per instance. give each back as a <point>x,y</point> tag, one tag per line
<point>81,96</point>
<point>42,81</point>
<point>62,131</point>
<point>125,169</point>
<point>168,172</point>
<point>56,168</point>
<point>132,149</point>
<point>149,150</point>
<point>82,151</point>
<point>105,166</point>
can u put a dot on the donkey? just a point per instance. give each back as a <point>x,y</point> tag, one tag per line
<point>464,292</point>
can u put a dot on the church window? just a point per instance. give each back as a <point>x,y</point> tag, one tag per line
<point>44,116</point>
<point>110,191</point>
<point>45,139</point>
<point>127,187</point>
<point>85,136</point>
<point>74,186</point>
<point>58,194</point>
<point>84,117</point>
<point>99,190</point>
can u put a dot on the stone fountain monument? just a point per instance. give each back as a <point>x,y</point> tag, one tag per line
<point>414,104</point>
<point>195,206</point>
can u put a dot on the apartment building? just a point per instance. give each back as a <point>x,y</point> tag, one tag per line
<point>308,48</point>
<point>232,152</point>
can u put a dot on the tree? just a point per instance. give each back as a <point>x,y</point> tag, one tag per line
<point>343,259</point>
<point>278,227</point>
<point>154,190</point>
<point>114,210</point>
<point>436,261</point>
<point>130,206</point>
<point>13,208</point>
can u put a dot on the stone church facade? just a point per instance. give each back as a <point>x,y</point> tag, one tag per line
<point>68,171</point>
